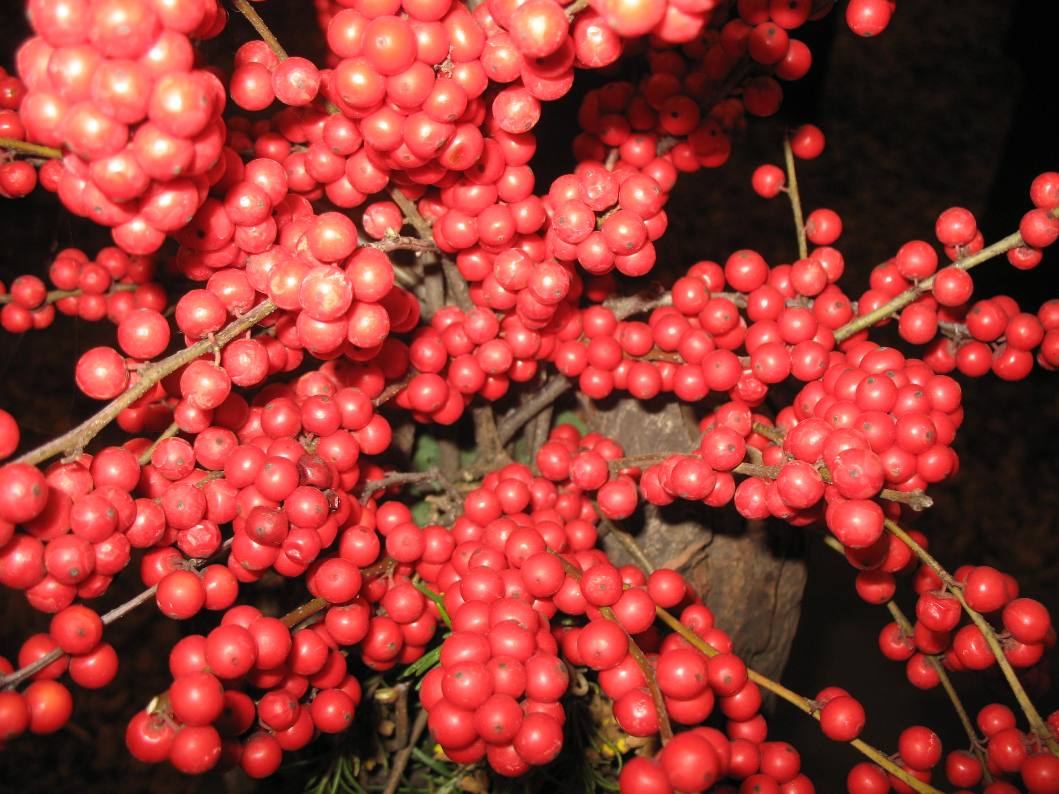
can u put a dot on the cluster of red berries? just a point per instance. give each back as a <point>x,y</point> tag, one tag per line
<point>114,83</point>
<point>439,102</point>
<point>1008,752</point>
<point>873,420</point>
<point>206,715</point>
<point>1024,624</point>
<point>988,335</point>
<point>113,286</point>
<point>17,177</point>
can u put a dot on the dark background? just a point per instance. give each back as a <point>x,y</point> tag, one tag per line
<point>954,104</point>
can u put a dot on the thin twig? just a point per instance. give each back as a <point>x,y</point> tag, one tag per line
<point>513,422</point>
<point>1032,715</point>
<point>456,284</point>
<point>169,432</point>
<point>410,212</point>
<point>404,243</point>
<point>910,295</point>
<point>397,478</point>
<point>917,500</point>
<point>537,430</point>
<point>304,612</point>
<point>76,439</point>
<point>628,542</point>
<point>56,295</point>
<point>665,729</point>
<point>795,197</point>
<point>946,683</point>
<point>575,7</point>
<point>255,20</point>
<point>30,149</point>
<point>486,436</point>
<point>400,760</point>
<point>391,391</point>
<point>799,702</point>
<point>627,305</point>
<point>13,679</point>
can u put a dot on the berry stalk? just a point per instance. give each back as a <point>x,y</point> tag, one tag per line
<point>1001,246</point>
<point>799,702</point>
<point>247,10</point>
<point>11,680</point>
<point>75,440</point>
<point>56,295</point>
<point>30,149</point>
<point>1037,724</point>
<point>795,198</point>
<point>665,729</point>
<point>946,683</point>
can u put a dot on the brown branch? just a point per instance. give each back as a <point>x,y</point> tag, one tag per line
<point>433,292</point>
<point>917,500</point>
<point>391,391</point>
<point>627,541</point>
<point>169,432</point>
<point>946,683</point>
<point>486,435</point>
<point>456,284</point>
<point>75,440</point>
<point>381,567</point>
<point>908,629</point>
<point>400,760</point>
<point>410,212</point>
<point>400,739</point>
<point>1032,715</point>
<point>665,729</point>
<point>397,478</point>
<point>575,7</point>
<point>538,428</point>
<point>773,434</point>
<point>255,20</point>
<point>802,703</point>
<point>11,680</point>
<point>858,324</point>
<point>510,424</point>
<point>404,243</point>
<point>625,306</point>
<point>795,197</point>
<point>304,612</point>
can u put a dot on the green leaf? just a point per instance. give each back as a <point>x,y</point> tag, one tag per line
<point>422,513</point>
<point>570,418</point>
<point>427,453</point>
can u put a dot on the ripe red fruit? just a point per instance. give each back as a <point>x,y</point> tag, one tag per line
<point>23,492</point>
<point>842,719</point>
<point>858,523</point>
<point>95,669</point>
<point>539,739</point>
<point>920,747</point>
<point>868,17</point>
<point>76,629</point>
<point>690,762</point>
<point>196,698</point>
<point>50,706</point>
<point>332,710</point>
<point>195,749</point>
<point>101,373</point>
<point>602,644</point>
<point>180,595</point>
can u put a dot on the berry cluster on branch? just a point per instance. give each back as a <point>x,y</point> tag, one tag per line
<point>312,258</point>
